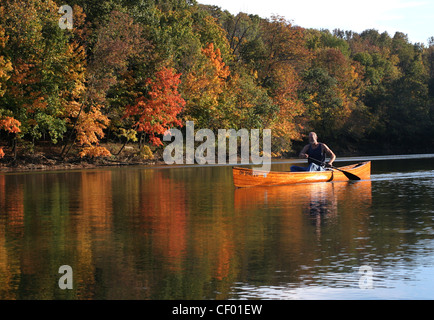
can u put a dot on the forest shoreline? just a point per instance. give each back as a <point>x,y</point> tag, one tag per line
<point>48,159</point>
<point>133,71</point>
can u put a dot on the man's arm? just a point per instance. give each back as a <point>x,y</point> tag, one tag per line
<point>303,153</point>
<point>330,153</point>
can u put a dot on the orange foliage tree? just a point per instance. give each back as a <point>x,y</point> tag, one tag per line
<point>157,111</point>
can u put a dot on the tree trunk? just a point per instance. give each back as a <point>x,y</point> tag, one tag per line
<point>142,140</point>
<point>14,147</point>
<point>63,154</point>
<point>123,146</point>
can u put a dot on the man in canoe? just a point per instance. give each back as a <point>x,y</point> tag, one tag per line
<point>315,152</point>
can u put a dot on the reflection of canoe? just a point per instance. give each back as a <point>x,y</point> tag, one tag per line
<point>244,177</point>
<point>297,207</point>
<point>295,195</point>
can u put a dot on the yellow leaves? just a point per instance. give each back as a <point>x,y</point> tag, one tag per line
<point>146,153</point>
<point>130,134</point>
<point>214,55</point>
<point>5,64</point>
<point>91,125</point>
<point>94,152</point>
<point>5,70</point>
<point>76,70</point>
<point>72,108</point>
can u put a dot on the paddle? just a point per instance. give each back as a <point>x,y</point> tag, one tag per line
<point>349,175</point>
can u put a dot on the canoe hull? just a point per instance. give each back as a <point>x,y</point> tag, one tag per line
<point>244,177</point>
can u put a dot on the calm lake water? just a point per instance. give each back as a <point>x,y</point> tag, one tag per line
<point>187,233</point>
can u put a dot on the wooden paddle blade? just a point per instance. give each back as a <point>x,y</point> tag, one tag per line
<point>349,175</point>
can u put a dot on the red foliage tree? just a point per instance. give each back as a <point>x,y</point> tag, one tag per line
<point>157,112</point>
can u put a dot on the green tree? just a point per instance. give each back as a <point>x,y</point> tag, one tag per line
<point>42,59</point>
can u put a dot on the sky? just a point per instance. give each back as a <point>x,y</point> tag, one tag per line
<point>412,17</point>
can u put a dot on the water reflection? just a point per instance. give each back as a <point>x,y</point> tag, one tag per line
<point>186,233</point>
<point>319,202</point>
<point>314,227</point>
<point>322,205</point>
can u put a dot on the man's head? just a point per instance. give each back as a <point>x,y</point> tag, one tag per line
<point>313,138</point>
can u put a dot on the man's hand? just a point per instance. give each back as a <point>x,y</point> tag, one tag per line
<point>328,165</point>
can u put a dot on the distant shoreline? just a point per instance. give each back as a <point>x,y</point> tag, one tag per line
<point>41,163</point>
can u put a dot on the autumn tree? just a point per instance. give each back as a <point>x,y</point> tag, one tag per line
<point>284,56</point>
<point>116,42</point>
<point>156,111</point>
<point>203,89</point>
<point>114,74</point>
<point>5,63</point>
<point>331,91</point>
<point>252,107</point>
<point>40,55</point>
<point>7,124</point>
<point>209,31</point>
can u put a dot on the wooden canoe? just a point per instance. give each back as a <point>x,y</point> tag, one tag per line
<point>245,177</point>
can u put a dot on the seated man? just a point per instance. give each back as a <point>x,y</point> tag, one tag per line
<point>316,153</point>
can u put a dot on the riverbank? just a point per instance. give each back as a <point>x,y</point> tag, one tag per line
<point>45,158</point>
<point>41,163</point>
<point>48,158</point>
